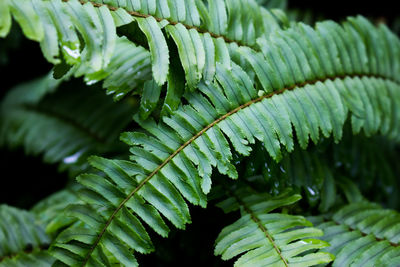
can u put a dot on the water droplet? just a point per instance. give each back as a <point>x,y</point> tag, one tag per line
<point>282,169</point>
<point>260,93</point>
<point>311,191</point>
<point>338,164</point>
<point>119,95</point>
<point>91,82</point>
<point>129,72</point>
<point>168,107</point>
<point>73,53</point>
<point>73,158</point>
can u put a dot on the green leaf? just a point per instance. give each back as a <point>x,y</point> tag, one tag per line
<point>50,119</point>
<point>263,238</point>
<point>69,41</point>
<point>49,44</point>
<point>187,53</point>
<point>88,24</point>
<point>158,48</point>
<point>175,89</point>
<point>19,230</point>
<point>28,19</point>
<point>151,96</point>
<point>218,16</point>
<point>5,18</point>
<point>260,99</point>
<point>362,234</point>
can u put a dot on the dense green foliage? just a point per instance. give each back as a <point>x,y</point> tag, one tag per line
<point>233,103</point>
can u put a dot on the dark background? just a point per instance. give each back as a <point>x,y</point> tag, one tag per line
<point>26,180</point>
<point>337,10</point>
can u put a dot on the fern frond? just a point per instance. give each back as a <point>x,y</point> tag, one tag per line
<point>83,36</point>
<point>203,33</point>
<point>129,68</point>
<point>50,211</point>
<point>60,125</point>
<point>263,238</point>
<point>306,171</point>
<point>362,234</point>
<point>379,155</point>
<point>328,174</point>
<point>175,160</point>
<point>23,241</point>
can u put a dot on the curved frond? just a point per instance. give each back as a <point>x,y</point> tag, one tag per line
<point>83,34</point>
<point>60,125</point>
<point>23,241</point>
<point>362,234</point>
<point>263,238</point>
<point>313,90</point>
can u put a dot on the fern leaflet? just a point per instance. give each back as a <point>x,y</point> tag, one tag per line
<point>362,234</point>
<point>22,240</point>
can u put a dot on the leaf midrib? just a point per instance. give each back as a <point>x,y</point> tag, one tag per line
<point>378,239</point>
<point>260,225</point>
<point>171,22</point>
<point>41,110</point>
<point>192,139</point>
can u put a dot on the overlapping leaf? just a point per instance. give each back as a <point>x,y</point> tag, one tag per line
<point>64,126</point>
<point>23,241</point>
<point>49,211</point>
<point>362,234</point>
<point>83,34</point>
<point>262,238</point>
<point>304,77</point>
<point>328,173</point>
<point>26,235</point>
<point>129,68</point>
